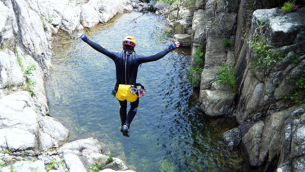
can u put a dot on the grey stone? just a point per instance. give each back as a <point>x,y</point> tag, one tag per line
<point>89,17</point>
<point>252,142</point>
<point>184,39</point>
<point>232,138</point>
<point>10,71</point>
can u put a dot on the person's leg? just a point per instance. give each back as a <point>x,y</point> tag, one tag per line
<point>123,111</point>
<point>132,112</point>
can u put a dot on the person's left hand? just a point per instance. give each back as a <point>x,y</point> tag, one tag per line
<point>79,34</point>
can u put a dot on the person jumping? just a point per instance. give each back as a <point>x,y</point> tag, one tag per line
<point>127,63</point>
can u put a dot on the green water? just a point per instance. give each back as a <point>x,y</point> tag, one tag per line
<point>169,132</point>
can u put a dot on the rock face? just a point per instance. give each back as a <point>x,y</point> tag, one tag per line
<point>265,47</point>
<point>26,29</point>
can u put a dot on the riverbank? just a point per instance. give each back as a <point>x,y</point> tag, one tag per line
<point>30,139</point>
<point>264,104</point>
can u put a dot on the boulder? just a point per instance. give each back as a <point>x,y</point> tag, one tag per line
<point>10,71</point>
<point>162,8</point>
<point>198,27</point>
<point>25,166</point>
<point>32,32</point>
<point>184,39</point>
<point>85,153</point>
<point>216,103</point>
<point>8,27</point>
<point>199,4</point>
<point>15,139</point>
<point>252,142</point>
<point>183,26</point>
<point>57,132</point>
<point>89,17</point>
<point>71,18</point>
<point>232,138</point>
<point>17,110</point>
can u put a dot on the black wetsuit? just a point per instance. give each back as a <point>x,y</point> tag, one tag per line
<point>127,63</point>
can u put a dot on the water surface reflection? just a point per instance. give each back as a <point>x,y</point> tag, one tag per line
<point>169,133</point>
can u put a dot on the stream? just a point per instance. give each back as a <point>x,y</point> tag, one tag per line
<point>169,133</point>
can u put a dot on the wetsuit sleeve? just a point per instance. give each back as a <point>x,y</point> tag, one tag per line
<point>157,56</point>
<point>101,49</point>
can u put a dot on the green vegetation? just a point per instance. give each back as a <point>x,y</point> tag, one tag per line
<point>296,95</point>
<point>7,163</point>
<point>195,72</point>
<point>294,59</point>
<point>98,166</point>
<point>264,54</point>
<point>110,159</point>
<point>226,76</point>
<point>30,69</point>
<point>191,3</point>
<point>53,164</point>
<point>94,168</point>
<point>30,82</point>
<point>34,169</point>
<point>19,62</point>
<point>168,1</point>
<point>2,164</point>
<point>228,42</point>
<point>288,7</point>
<point>50,19</point>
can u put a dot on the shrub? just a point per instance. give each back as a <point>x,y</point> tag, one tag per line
<point>228,42</point>
<point>195,72</point>
<point>288,6</point>
<point>30,81</point>
<point>194,75</point>
<point>296,95</point>
<point>226,76</point>
<point>264,54</point>
<point>168,1</point>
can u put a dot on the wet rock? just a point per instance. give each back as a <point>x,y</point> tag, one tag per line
<point>271,136</point>
<point>232,138</point>
<point>184,39</point>
<point>216,103</point>
<point>252,142</point>
<point>298,164</point>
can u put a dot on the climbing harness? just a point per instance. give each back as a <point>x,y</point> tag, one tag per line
<point>130,92</point>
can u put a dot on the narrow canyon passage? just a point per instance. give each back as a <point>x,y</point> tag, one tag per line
<point>169,132</point>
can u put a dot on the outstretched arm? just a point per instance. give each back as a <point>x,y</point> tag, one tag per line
<point>97,47</point>
<point>157,56</point>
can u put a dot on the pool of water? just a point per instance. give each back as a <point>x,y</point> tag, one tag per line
<point>169,132</point>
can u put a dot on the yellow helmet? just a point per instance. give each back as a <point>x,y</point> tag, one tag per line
<point>129,41</point>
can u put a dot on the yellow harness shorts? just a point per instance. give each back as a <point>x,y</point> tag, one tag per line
<point>125,93</point>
